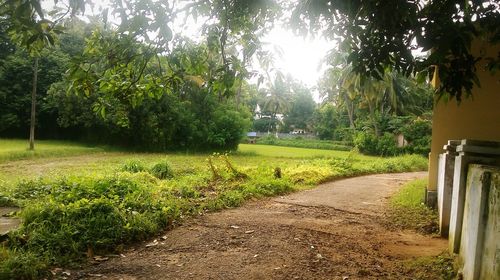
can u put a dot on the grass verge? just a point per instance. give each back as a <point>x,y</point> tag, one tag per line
<point>440,268</point>
<point>408,211</point>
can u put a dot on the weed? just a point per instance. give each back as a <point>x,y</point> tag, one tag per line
<point>133,166</point>
<point>162,170</point>
<point>408,211</point>
<point>439,267</point>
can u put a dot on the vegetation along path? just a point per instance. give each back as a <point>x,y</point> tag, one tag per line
<point>335,231</point>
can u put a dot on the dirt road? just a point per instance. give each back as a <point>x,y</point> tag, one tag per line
<point>334,231</point>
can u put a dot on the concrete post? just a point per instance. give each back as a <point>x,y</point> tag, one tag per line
<point>469,151</point>
<point>479,255</point>
<point>445,185</point>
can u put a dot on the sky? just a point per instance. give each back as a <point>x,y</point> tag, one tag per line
<point>301,57</point>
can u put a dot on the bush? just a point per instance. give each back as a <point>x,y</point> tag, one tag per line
<point>418,133</point>
<point>366,143</point>
<point>386,145</point>
<point>162,170</point>
<point>93,215</point>
<point>370,144</point>
<point>133,166</point>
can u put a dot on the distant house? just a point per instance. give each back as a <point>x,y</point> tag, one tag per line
<point>257,115</point>
<point>298,131</point>
<point>252,137</point>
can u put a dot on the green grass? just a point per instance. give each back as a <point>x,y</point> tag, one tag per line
<point>441,267</point>
<point>305,143</point>
<point>73,206</point>
<point>408,210</point>
<point>288,152</point>
<point>15,149</point>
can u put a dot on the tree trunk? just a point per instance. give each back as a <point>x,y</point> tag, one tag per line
<point>350,111</point>
<point>238,94</point>
<point>33,105</point>
<point>373,118</point>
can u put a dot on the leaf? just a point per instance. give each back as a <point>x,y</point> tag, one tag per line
<point>36,5</point>
<point>198,80</point>
<point>166,33</point>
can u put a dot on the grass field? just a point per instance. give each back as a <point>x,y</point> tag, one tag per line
<point>15,149</point>
<point>288,152</point>
<point>77,200</point>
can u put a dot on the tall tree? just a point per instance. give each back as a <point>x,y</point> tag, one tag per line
<point>276,98</point>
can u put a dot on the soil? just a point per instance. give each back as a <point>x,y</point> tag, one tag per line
<point>335,231</point>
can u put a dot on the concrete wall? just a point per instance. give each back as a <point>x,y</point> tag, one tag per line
<point>479,255</point>
<point>475,118</point>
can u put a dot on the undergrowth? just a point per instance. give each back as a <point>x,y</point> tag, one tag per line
<point>408,211</point>
<point>69,219</point>
<point>423,268</point>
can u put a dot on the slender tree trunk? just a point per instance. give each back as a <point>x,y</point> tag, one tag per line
<point>238,94</point>
<point>372,116</point>
<point>350,111</point>
<point>33,105</point>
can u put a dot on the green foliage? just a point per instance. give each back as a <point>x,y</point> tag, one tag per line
<point>162,170</point>
<point>362,24</point>
<point>264,124</point>
<point>74,215</point>
<point>326,122</point>
<point>438,267</point>
<point>305,143</point>
<point>418,134</point>
<point>67,218</point>
<point>133,166</point>
<point>20,264</point>
<point>386,145</point>
<point>408,210</point>
<point>301,109</point>
<point>367,143</point>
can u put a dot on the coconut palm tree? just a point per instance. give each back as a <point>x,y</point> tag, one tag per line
<point>277,99</point>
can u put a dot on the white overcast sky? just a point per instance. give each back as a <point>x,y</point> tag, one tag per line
<point>301,56</point>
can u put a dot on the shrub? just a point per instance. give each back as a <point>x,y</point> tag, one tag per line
<point>133,166</point>
<point>94,214</point>
<point>418,133</point>
<point>369,144</point>
<point>366,143</point>
<point>386,145</point>
<point>162,170</point>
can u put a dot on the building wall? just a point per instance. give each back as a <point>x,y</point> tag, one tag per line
<point>475,118</point>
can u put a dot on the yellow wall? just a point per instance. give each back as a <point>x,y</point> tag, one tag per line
<point>475,118</point>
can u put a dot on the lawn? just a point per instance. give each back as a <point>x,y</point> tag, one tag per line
<point>76,203</point>
<point>288,152</point>
<point>15,149</point>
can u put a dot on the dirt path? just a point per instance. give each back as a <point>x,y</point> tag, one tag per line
<point>331,232</point>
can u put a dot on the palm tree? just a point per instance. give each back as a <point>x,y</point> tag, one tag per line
<point>277,99</point>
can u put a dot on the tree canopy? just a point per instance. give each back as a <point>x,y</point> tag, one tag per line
<point>376,33</point>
